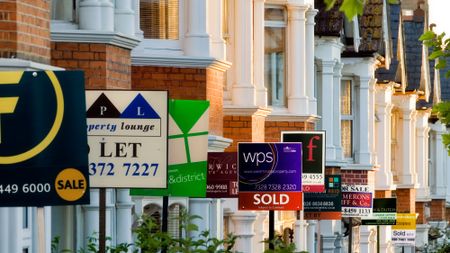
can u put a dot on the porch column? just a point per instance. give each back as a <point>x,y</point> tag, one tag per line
<point>422,130</point>
<point>243,89</point>
<point>327,85</point>
<point>311,237</point>
<point>200,207</point>
<point>197,38</point>
<point>258,25</point>
<point>407,167</point>
<point>124,17</point>
<point>124,204</point>
<point>363,156</point>
<point>244,228</point>
<point>296,59</point>
<point>309,48</point>
<point>383,107</point>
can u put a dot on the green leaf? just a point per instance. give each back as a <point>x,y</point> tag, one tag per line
<point>436,54</point>
<point>427,36</point>
<point>447,74</point>
<point>352,8</point>
<point>330,4</point>
<point>441,64</point>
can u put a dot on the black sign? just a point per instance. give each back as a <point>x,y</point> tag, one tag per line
<point>313,146</point>
<point>384,211</point>
<point>222,175</point>
<point>43,141</point>
<point>327,205</point>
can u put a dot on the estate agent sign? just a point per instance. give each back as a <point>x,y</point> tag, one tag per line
<point>127,133</point>
<point>222,175</point>
<point>313,144</point>
<point>188,150</point>
<point>43,142</point>
<point>324,205</point>
<point>270,176</point>
<point>356,200</point>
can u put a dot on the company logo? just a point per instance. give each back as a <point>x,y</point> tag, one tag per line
<point>8,105</point>
<point>70,184</point>
<point>288,149</point>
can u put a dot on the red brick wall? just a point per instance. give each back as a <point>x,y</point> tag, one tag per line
<point>25,30</point>
<point>186,83</point>
<point>353,177</point>
<point>243,129</point>
<point>273,128</point>
<point>383,194</point>
<point>105,66</point>
<point>182,83</point>
<point>420,209</point>
<point>437,210</point>
<point>406,200</point>
<point>447,214</point>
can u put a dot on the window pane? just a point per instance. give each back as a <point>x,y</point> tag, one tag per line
<point>346,97</point>
<point>159,19</point>
<point>346,135</point>
<point>274,14</point>
<point>274,65</point>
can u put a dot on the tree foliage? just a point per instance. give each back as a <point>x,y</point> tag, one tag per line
<point>440,51</point>
<point>351,8</point>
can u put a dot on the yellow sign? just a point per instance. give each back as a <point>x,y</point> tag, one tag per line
<point>405,221</point>
<point>70,184</point>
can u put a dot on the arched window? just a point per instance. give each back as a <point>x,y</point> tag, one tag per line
<point>159,19</point>
<point>154,211</point>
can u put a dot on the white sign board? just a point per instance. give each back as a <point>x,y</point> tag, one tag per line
<point>127,137</point>
<point>357,200</point>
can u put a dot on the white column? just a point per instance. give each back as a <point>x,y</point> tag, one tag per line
<point>300,236</point>
<point>336,113</point>
<point>243,90</point>
<point>383,107</point>
<point>124,17</point>
<point>124,217</point>
<point>406,164</point>
<point>15,229</point>
<point>422,130</point>
<point>258,26</point>
<point>296,60</point>
<point>259,231</point>
<point>311,236</point>
<point>197,39</point>
<point>327,112</point>
<point>372,146</point>
<point>137,22</point>
<point>91,215</point>
<point>200,207</point>
<point>439,153</point>
<point>48,227</point>
<point>363,154</point>
<point>218,50</point>
<point>244,228</point>
<point>328,233</point>
<point>422,234</point>
<point>107,14</point>
<point>367,241</point>
<point>90,16</point>
<point>385,239</point>
<point>310,74</point>
<point>216,222</point>
<point>4,229</point>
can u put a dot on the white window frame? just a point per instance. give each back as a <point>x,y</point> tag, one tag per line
<point>351,118</point>
<point>279,24</point>
<point>165,46</point>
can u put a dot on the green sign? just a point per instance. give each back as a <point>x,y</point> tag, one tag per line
<point>188,150</point>
<point>43,142</point>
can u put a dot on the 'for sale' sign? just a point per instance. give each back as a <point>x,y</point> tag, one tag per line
<point>270,176</point>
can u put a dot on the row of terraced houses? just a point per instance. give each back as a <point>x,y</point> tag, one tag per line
<point>265,66</point>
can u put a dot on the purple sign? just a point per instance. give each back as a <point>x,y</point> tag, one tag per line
<point>270,176</point>
<point>222,175</point>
